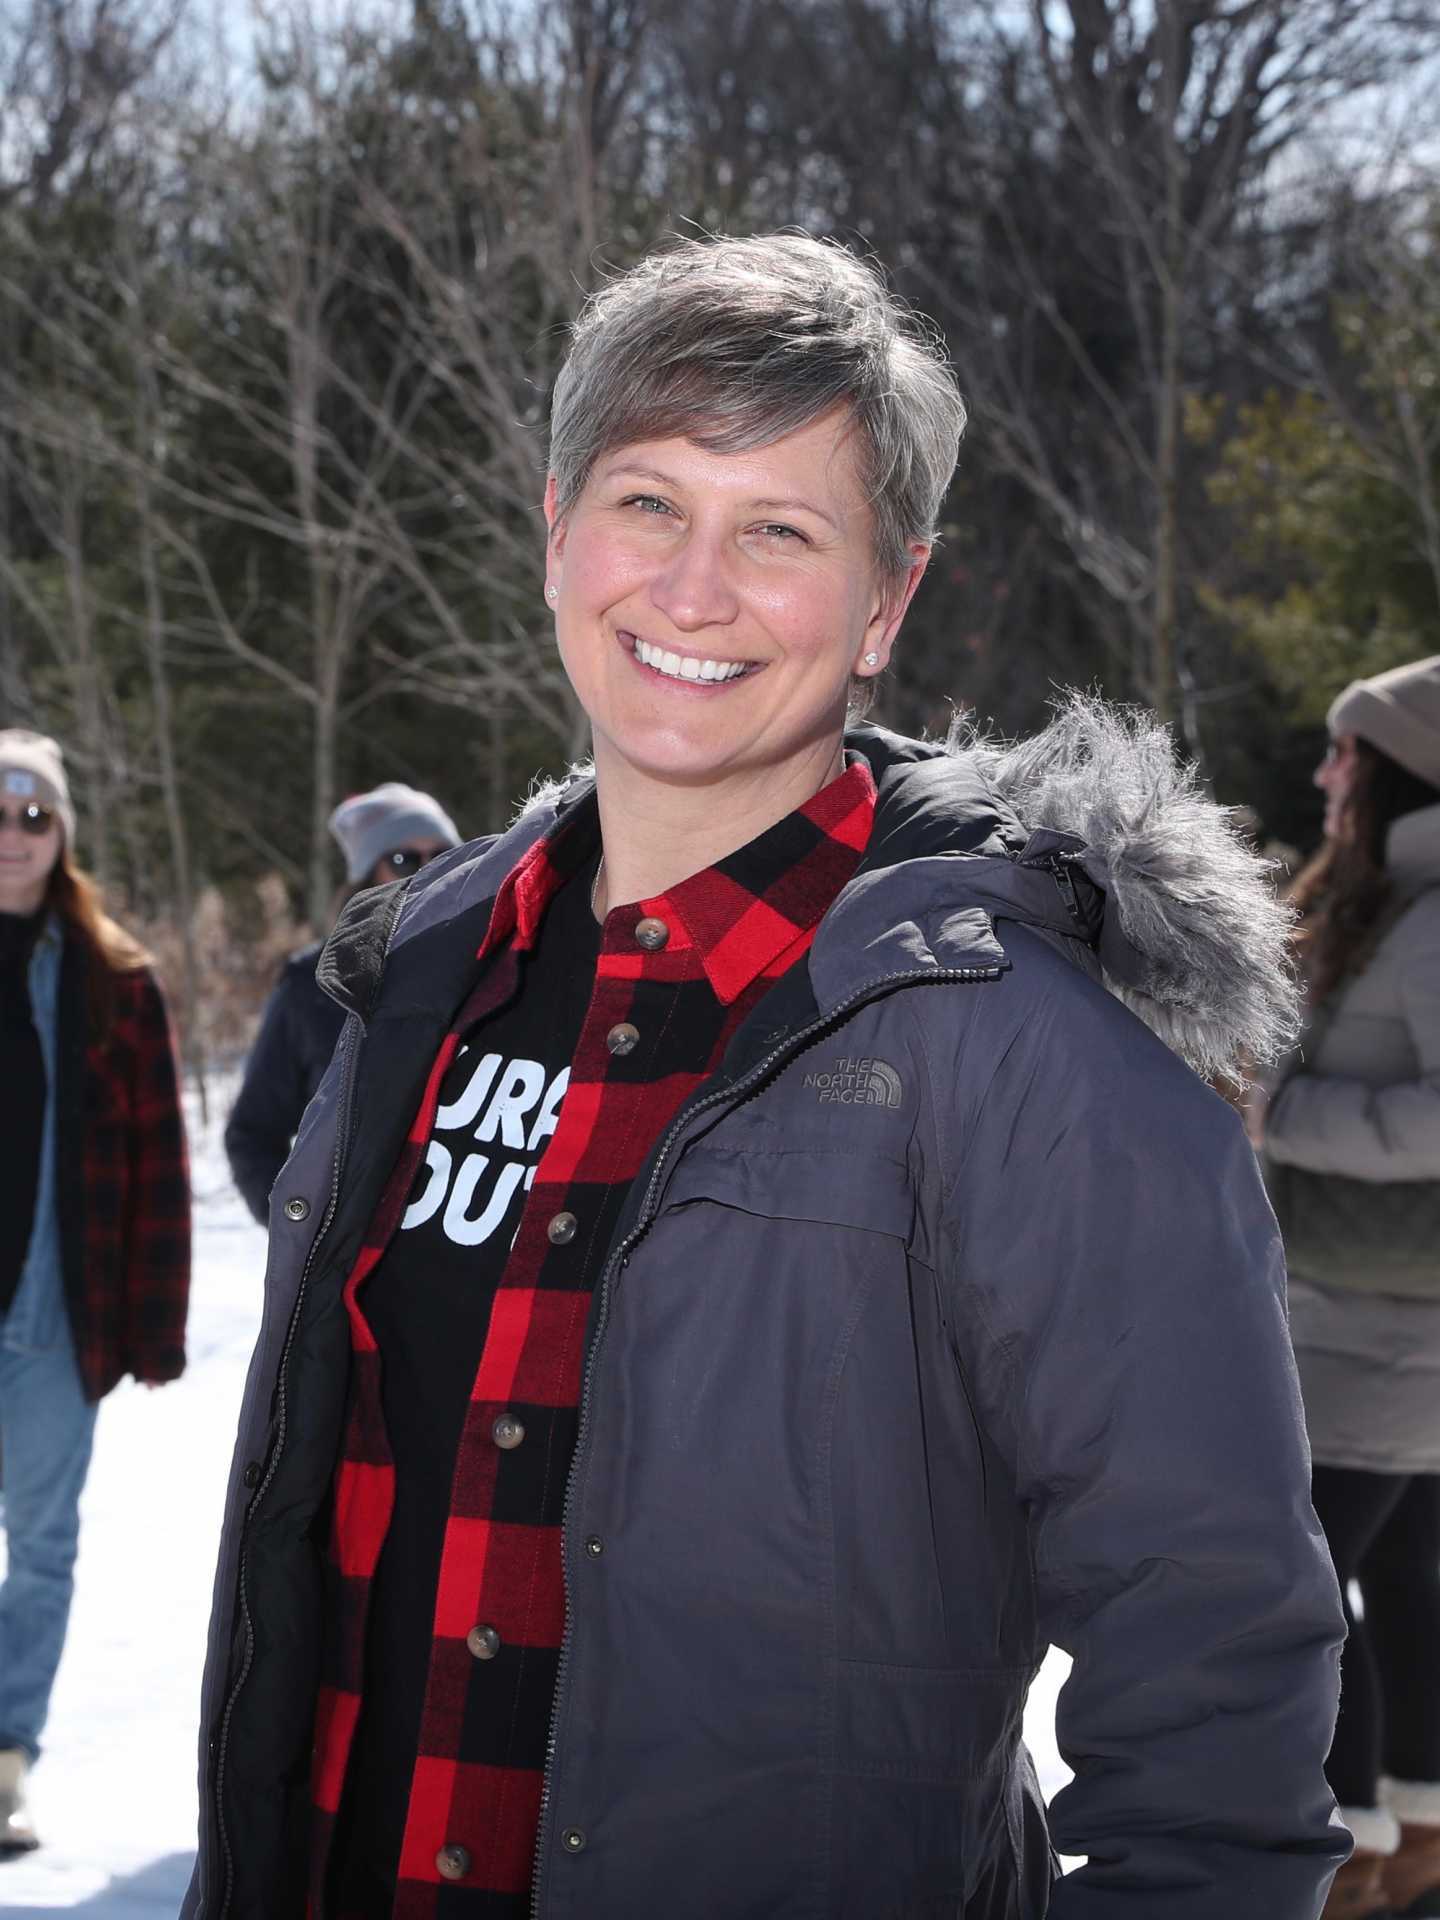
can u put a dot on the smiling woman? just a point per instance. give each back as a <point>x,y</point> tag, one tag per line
<point>744,1287</point>
<point>749,449</point>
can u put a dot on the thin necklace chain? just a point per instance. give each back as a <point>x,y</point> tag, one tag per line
<point>595,889</point>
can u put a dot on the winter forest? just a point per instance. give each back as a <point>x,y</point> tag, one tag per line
<point>282,291</point>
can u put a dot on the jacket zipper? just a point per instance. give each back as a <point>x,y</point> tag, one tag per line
<point>347,1080</point>
<point>743,1088</point>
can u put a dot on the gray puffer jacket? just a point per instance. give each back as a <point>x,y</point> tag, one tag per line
<point>884,1394</point>
<point>1363,1109</point>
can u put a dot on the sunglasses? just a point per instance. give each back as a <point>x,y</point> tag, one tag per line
<point>404,861</point>
<point>32,818</point>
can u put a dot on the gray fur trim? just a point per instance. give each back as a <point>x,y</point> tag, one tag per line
<point>1209,967</point>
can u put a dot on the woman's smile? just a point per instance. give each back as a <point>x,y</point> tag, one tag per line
<point>685,671</point>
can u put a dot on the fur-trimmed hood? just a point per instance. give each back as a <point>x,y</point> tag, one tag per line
<point>1193,936</point>
<point>1184,918</point>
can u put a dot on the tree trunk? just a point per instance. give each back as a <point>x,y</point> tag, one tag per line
<point>324,776</point>
<point>1167,398</point>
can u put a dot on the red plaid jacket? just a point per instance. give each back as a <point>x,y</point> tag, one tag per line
<point>122,1183</point>
<point>730,932</point>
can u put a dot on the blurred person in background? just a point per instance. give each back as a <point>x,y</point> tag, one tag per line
<point>386,834</point>
<point>1351,1140</point>
<point>94,1220</point>
<point>744,1286</point>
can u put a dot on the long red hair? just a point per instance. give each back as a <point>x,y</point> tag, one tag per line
<point>109,950</point>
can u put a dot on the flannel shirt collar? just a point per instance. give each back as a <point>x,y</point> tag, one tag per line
<point>738,917</point>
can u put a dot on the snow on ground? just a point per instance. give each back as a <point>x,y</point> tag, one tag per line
<point>114,1794</point>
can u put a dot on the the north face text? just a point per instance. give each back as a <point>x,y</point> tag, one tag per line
<point>859,1081</point>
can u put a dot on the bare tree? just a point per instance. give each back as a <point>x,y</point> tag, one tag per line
<point>1162,127</point>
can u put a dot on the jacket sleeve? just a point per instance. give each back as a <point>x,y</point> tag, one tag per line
<point>273,1096</point>
<point>157,1250</point>
<point>1332,1125</point>
<point>1116,1268</point>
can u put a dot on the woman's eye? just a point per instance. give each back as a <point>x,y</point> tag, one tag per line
<point>647,503</point>
<point>776,530</point>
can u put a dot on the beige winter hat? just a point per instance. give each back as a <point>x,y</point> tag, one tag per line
<point>1398,712</point>
<point>32,767</point>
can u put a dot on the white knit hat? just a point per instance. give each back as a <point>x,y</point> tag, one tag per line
<point>32,767</point>
<point>1398,712</point>
<point>370,825</point>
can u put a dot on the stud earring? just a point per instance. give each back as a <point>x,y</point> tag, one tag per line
<point>872,659</point>
<point>552,594</point>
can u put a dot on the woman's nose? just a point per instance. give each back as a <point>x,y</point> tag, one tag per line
<point>693,588</point>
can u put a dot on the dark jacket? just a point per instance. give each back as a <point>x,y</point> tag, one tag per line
<point>946,1322</point>
<point>122,1182</point>
<point>292,1049</point>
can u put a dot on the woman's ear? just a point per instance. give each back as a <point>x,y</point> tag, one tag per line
<point>891,605</point>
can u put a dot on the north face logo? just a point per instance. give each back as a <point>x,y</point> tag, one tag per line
<point>862,1082</point>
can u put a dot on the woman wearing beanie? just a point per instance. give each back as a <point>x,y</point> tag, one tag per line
<point>1352,1148</point>
<point>94,1219</point>
<point>386,834</point>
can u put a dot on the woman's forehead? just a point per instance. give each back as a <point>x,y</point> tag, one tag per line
<point>814,467</point>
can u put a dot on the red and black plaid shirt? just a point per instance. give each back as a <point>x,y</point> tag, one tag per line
<point>729,934</point>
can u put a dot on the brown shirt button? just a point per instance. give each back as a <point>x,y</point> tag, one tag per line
<point>452,1862</point>
<point>623,1039</point>
<point>562,1229</point>
<point>651,934</point>
<point>483,1642</point>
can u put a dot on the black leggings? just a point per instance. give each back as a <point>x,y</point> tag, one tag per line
<point>1383,1530</point>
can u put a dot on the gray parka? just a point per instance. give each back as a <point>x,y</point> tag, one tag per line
<point>1364,1105</point>
<point>946,1322</point>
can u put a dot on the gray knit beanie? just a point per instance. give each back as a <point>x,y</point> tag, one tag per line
<point>370,825</point>
<point>1398,712</point>
<point>32,767</point>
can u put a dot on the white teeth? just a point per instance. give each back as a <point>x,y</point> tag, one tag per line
<point>686,668</point>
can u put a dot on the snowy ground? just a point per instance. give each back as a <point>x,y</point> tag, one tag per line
<point>114,1796</point>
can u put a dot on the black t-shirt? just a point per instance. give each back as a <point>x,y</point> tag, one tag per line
<point>428,1304</point>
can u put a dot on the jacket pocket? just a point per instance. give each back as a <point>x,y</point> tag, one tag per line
<point>865,1191</point>
<point>942,1725</point>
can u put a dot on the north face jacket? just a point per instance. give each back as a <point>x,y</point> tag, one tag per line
<point>946,1322</point>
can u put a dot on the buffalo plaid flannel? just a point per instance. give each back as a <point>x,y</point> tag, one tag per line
<point>731,931</point>
<point>129,1297</point>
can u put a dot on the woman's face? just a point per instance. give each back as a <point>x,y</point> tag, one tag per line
<point>26,858</point>
<point>713,607</point>
<point>1335,776</point>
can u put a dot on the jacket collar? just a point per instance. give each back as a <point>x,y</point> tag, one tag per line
<point>943,856</point>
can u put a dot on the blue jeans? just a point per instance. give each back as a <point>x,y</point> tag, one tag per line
<point>46,1430</point>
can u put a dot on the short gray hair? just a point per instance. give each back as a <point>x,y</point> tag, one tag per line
<point>735,343</point>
